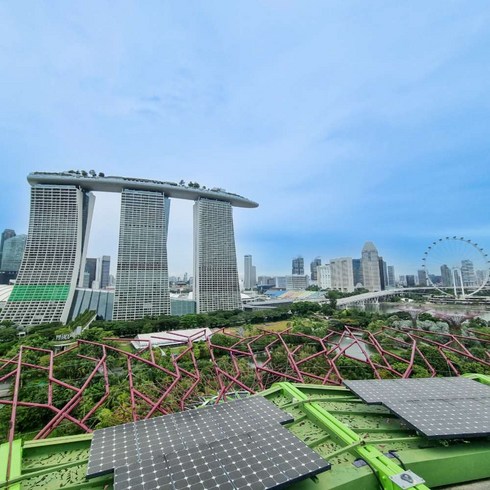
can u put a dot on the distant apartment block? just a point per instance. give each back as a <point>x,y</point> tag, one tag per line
<point>297,282</point>
<point>342,276</point>
<point>324,276</point>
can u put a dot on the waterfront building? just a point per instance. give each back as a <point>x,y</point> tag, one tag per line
<point>342,276</point>
<point>216,284</point>
<point>313,268</point>
<point>324,276</point>
<point>297,282</point>
<point>298,266</point>
<point>142,269</point>
<point>59,223</point>
<point>54,261</point>
<point>383,274</point>
<point>13,250</point>
<point>370,267</point>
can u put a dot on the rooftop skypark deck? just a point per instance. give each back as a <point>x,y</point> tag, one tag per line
<point>99,182</point>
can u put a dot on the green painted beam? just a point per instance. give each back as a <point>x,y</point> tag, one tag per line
<point>384,466</point>
<point>15,463</point>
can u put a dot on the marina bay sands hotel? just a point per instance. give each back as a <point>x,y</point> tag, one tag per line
<point>59,226</point>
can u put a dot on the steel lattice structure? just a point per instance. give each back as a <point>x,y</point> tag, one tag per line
<point>323,366</point>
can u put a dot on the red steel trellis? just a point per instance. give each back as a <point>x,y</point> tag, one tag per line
<point>329,353</point>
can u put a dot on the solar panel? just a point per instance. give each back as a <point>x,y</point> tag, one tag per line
<point>255,460</point>
<point>116,446</point>
<point>380,390</point>
<point>445,418</point>
<point>444,408</point>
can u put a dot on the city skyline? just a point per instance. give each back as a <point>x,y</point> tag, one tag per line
<point>348,122</point>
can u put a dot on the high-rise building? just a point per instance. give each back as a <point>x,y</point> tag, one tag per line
<point>298,266</point>
<point>280,282</point>
<point>297,282</point>
<point>324,276</point>
<point>357,272</point>
<point>249,275</point>
<point>313,268</point>
<point>216,285</point>
<point>422,277</point>
<point>104,267</point>
<point>446,276</point>
<point>391,276</point>
<point>13,250</point>
<point>370,267</point>
<point>91,271</point>
<point>383,274</point>
<point>410,281</point>
<point>142,269</point>
<point>468,273</point>
<point>6,234</point>
<point>342,275</point>
<point>54,256</point>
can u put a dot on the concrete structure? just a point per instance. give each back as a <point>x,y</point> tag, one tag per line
<point>216,284</point>
<point>342,275</point>
<point>175,337</point>
<point>324,276</point>
<point>313,268</point>
<point>249,273</point>
<point>296,282</point>
<point>421,277</point>
<point>370,267</point>
<point>280,282</point>
<point>55,251</point>
<point>142,269</point>
<point>54,261</point>
<point>13,250</point>
<point>298,266</point>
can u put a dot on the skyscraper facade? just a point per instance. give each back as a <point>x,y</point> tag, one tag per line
<point>249,273</point>
<point>313,268</point>
<point>59,221</point>
<point>324,276</point>
<point>357,272</point>
<point>298,266</point>
<point>383,274</point>
<point>91,271</point>
<point>446,276</point>
<point>342,276</point>
<point>391,276</point>
<point>6,234</point>
<point>216,284</point>
<point>104,268</point>
<point>370,267</point>
<point>13,250</point>
<point>468,273</point>
<point>422,277</point>
<point>142,269</point>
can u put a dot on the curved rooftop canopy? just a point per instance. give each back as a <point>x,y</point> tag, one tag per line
<point>99,182</point>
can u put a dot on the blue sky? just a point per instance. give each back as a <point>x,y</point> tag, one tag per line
<point>346,120</point>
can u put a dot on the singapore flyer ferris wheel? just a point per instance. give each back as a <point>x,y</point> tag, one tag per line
<point>456,266</point>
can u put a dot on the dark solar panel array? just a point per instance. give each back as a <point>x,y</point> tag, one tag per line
<point>381,390</point>
<point>239,443</point>
<point>267,459</point>
<point>140,440</point>
<point>439,408</point>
